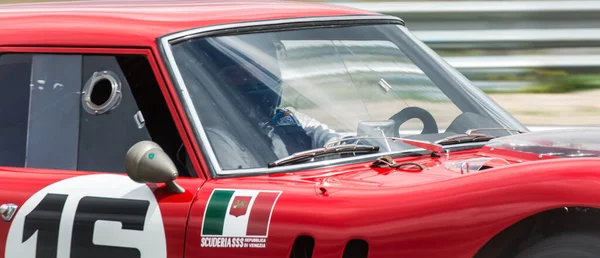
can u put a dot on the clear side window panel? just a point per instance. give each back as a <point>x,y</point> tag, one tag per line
<point>15,72</point>
<point>53,111</point>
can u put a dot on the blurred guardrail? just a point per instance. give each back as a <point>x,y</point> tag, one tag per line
<point>487,39</point>
<point>512,25</point>
<point>510,45</point>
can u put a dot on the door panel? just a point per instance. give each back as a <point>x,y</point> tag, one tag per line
<point>62,214</point>
<point>65,213</point>
<point>231,218</point>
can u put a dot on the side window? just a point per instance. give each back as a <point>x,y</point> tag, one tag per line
<point>53,109</point>
<point>142,114</point>
<point>105,138</point>
<point>81,112</point>
<point>15,73</point>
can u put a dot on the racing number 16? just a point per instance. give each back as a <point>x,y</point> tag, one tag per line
<point>45,219</point>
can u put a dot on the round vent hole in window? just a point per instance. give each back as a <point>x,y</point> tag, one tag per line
<point>101,92</point>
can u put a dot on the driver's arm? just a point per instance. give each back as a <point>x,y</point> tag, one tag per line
<point>320,134</point>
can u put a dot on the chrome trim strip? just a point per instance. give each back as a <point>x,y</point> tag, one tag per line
<point>189,106</point>
<point>192,33</point>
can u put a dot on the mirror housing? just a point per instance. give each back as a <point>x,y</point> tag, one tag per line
<point>146,161</point>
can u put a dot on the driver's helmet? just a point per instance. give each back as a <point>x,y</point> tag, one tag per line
<point>259,97</point>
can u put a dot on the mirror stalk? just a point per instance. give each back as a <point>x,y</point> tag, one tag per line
<point>174,187</point>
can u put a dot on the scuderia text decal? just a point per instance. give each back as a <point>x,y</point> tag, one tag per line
<point>238,218</point>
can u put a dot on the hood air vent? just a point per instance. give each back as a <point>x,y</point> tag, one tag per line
<point>475,164</point>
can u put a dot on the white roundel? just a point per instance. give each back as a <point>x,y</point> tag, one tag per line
<point>100,215</point>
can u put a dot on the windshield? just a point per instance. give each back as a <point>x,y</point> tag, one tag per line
<point>264,96</point>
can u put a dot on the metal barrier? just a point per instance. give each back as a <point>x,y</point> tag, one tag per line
<point>524,61</point>
<point>512,39</point>
<point>471,7</point>
<point>502,25</point>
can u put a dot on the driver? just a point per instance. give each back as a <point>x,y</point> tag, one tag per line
<point>289,130</point>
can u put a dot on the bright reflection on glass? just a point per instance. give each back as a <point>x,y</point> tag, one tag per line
<point>568,143</point>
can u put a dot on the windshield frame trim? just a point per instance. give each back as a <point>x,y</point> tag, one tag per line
<point>165,43</point>
<point>343,161</point>
<point>312,22</point>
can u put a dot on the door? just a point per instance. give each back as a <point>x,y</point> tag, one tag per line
<point>66,124</point>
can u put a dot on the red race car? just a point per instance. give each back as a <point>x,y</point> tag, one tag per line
<point>149,129</point>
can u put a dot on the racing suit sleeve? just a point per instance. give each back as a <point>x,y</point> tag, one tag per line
<point>321,134</point>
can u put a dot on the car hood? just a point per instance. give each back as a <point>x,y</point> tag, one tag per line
<point>364,176</point>
<point>500,152</point>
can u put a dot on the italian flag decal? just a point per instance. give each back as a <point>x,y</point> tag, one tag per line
<point>238,218</point>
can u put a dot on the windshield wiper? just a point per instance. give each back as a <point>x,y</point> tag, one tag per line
<point>465,138</point>
<point>308,155</point>
<point>429,146</point>
<point>434,147</point>
<point>471,136</point>
<point>471,131</point>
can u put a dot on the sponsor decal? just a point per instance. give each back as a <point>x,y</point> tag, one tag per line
<point>238,218</point>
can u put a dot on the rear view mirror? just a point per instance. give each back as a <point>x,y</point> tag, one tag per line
<point>147,162</point>
<point>378,128</point>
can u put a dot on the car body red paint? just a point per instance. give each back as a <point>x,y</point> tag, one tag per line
<point>401,212</point>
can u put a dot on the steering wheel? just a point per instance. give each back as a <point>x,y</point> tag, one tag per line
<point>429,124</point>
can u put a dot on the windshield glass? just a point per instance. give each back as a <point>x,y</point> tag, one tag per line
<point>263,96</point>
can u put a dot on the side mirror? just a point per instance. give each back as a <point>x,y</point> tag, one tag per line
<point>147,162</point>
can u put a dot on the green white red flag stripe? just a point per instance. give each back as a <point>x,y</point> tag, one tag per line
<point>239,213</point>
